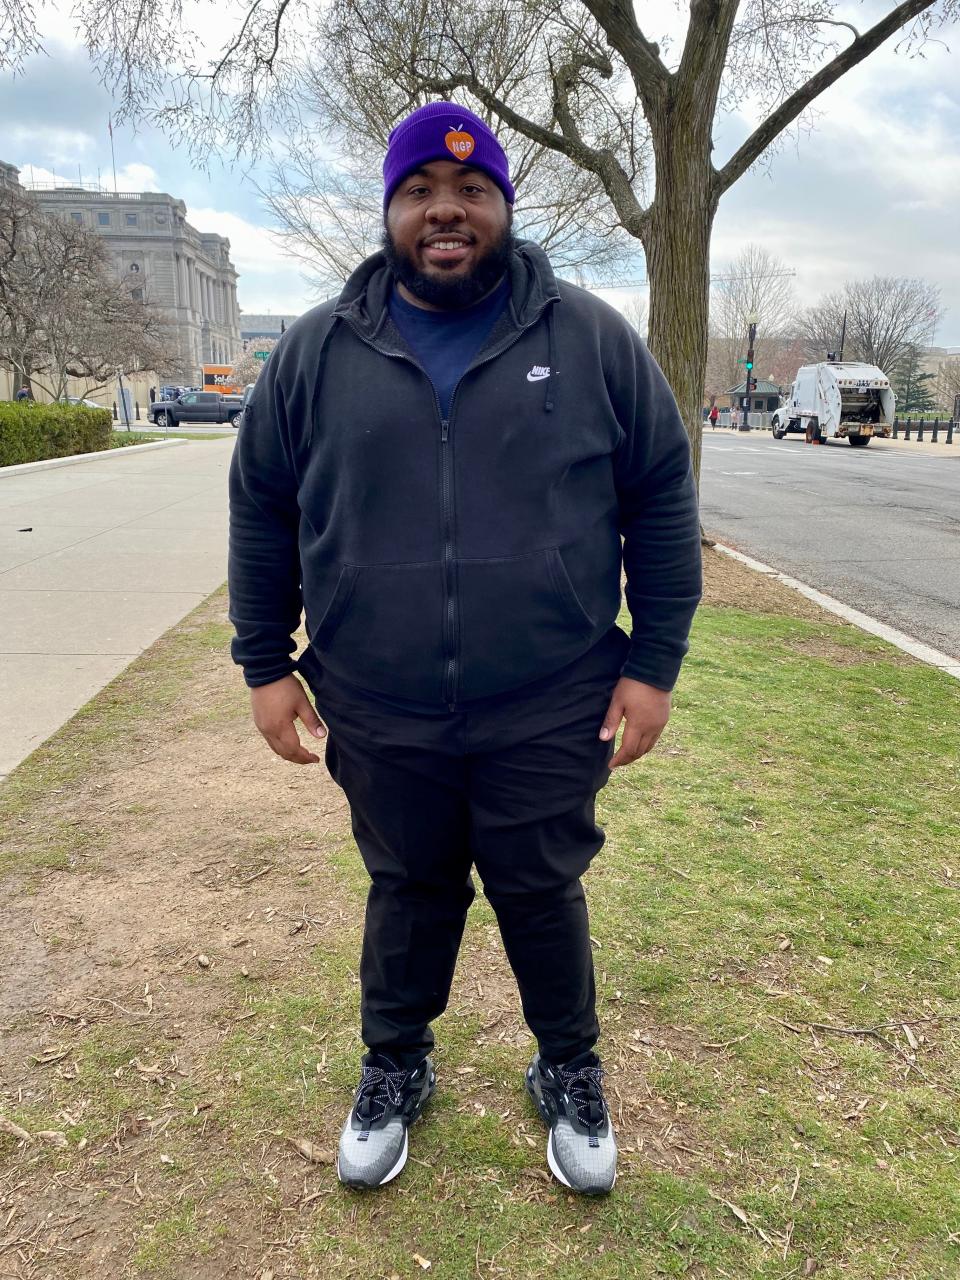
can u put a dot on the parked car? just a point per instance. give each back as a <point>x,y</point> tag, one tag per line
<point>87,404</point>
<point>197,406</point>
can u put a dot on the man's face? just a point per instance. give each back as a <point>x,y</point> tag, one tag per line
<point>448,235</point>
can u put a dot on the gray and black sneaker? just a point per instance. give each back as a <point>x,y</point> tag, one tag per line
<point>373,1144</point>
<point>581,1148</point>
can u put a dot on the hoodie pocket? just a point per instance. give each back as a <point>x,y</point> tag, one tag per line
<point>383,627</point>
<point>519,619</point>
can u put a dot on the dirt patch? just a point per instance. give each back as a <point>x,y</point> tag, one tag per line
<point>838,655</point>
<point>728,583</point>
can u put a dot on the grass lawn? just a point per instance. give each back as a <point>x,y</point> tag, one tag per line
<point>776,920</point>
<point>122,438</point>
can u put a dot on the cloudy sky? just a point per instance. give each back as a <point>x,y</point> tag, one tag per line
<point>874,188</point>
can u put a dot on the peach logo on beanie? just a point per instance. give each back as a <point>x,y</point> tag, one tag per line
<point>459,143</point>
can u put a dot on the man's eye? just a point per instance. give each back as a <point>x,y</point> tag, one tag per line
<point>473,190</point>
<point>417,191</point>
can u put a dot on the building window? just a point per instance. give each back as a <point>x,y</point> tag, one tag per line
<point>103,219</point>
<point>77,217</point>
<point>137,295</point>
<point>132,220</point>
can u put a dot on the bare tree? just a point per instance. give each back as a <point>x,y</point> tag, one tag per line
<point>585,80</point>
<point>948,384</point>
<point>329,206</point>
<point>886,318</point>
<point>247,368</point>
<point>329,212</point>
<point>636,311</point>
<point>755,287</point>
<point>63,312</point>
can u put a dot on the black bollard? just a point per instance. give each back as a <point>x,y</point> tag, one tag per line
<point>949,439</point>
<point>896,428</point>
<point>906,433</point>
<point>920,432</point>
<point>136,405</point>
<point>114,410</point>
<point>936,431</point>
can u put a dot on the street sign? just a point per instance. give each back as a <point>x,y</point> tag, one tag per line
<point>260,355</point>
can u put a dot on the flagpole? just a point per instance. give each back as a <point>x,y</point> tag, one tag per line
<point>112,155</point>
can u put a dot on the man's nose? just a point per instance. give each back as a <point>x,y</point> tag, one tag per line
<point>446,209</point>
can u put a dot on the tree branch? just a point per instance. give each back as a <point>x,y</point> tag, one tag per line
<point>788,111</point>
<point>616,19</point>
<point>633,217</point>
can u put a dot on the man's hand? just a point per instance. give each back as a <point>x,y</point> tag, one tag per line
<point>647,711</point>
<point>275,708</point>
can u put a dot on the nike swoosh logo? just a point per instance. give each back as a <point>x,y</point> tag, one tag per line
<point>537,377</point>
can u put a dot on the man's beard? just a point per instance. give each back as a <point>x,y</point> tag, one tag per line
<point>460,291</point>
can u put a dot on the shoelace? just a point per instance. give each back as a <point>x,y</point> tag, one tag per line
<point>377,1090</point>
<point>585,1087</point>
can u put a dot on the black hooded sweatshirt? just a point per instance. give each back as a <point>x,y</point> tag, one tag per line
<point>444,560</point>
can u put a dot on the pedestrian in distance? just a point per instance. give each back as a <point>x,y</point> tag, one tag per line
<point>714,415</point>
<point>23,393</point>
<point>447,467</point>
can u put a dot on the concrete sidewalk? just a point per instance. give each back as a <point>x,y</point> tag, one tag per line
<point>96,561</point>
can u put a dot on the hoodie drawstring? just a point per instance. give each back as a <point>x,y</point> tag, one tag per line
<point>548,400</point>
<point>318,379</point>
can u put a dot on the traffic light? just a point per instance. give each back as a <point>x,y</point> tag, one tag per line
<point>749,362</point>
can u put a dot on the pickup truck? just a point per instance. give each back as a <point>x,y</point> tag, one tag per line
<point>196,406</point>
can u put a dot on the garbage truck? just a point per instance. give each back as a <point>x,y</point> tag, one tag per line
<point>837,400</point>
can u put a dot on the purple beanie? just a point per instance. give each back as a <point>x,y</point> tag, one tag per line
<point>443,131</point>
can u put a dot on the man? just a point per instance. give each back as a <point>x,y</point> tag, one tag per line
<point>440,467</point>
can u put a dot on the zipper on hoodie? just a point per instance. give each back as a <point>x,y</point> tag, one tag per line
<point>449,586</point>
<point>451,673</point>
<point>451,637</point>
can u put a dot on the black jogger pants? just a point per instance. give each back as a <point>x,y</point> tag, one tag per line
<point>506,785</point>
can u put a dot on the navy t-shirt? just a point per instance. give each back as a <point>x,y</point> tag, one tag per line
<point>445,342</point>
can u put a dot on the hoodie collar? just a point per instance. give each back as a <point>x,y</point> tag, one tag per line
<point>366,295</point>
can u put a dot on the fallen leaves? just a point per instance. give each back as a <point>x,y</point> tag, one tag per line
<point>52,1136</point>
<point>311,1152</point>
<point>14,1130</point>
<point>51,1055</point>
<point>741,1216</point>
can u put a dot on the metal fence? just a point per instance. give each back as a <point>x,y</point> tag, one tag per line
<point>936,430</point>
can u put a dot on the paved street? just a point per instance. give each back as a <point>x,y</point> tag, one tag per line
<point>878,528</point>
<point>97,560</point>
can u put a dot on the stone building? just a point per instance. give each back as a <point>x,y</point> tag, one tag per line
<point>254,326</point>
<point>184,272</point>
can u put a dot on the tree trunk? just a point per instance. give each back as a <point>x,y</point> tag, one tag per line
<point>677,245</point>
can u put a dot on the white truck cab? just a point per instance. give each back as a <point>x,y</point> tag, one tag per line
<point>837,400</point>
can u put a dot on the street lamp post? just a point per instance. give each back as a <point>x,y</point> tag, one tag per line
<point>748,363</point>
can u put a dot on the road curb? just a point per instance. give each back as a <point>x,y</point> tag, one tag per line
<point>907,644</point>
<point>23,468</point>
